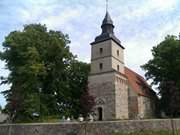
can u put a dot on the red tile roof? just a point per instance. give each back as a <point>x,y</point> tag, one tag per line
<point>138,83</point>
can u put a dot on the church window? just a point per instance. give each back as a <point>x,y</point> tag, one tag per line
<point>117,52</point>
<point>100,66</point>
<point>118,67</point>
<point>101,50</point>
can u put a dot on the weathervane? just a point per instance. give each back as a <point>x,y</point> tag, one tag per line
<point>106,5</point>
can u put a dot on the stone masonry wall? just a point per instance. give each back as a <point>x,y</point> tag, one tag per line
<point>94,128</point>
<point>133,103</point>
<point>144,107</point>
<point>102,88</point>
<point>121,94</point>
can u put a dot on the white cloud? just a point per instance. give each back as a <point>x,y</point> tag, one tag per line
<point>138,51</point>
<point>62,19</point>
<point>169,28</point>
<point>162,4</point>
<point>151,7</point>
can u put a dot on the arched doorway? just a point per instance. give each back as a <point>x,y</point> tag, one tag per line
<point>100,113</point>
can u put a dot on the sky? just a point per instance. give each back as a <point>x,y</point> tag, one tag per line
<point>139,24</point>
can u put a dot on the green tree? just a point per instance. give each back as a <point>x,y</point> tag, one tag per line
<point>163,69</point>
<point>37,60</point>
<point>77,78</point>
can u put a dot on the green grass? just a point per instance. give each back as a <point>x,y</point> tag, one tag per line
<point>150,133</point>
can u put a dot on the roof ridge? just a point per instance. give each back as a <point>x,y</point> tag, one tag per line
<point>135,72</point>
<point>145,81</point>
<point>137,77</point>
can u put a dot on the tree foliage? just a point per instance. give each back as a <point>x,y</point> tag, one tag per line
<point>44,76</point>
<point>77,74</point>
<point>87,102</point>
<point>163,69</point>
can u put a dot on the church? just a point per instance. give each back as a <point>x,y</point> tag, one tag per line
<point>120,93</point>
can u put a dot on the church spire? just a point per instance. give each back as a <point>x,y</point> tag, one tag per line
<point>107,25</point>
<point>107,30</point>
<point>107,5</point>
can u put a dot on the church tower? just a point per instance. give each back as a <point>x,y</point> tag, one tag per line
<point>107,80</point>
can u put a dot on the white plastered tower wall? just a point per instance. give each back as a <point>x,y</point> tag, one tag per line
<point>107,82</point>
